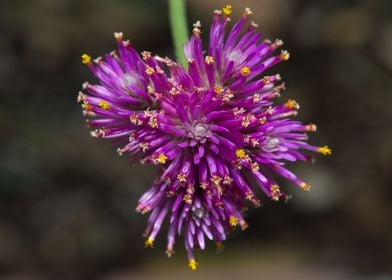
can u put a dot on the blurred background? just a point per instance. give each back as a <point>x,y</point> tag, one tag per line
<point>67,200</point>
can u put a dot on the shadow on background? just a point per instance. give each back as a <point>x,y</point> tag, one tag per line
<point>67,200</point>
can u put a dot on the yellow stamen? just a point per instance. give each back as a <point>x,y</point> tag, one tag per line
<point>233,221</point>
<point>192,264</point>
<point>146,55</point>
<point>248,12</point>
<point>284,55</point>
<point>188,198</point>
<point>209,60</point>
<point>218,89</point>
<point>227,180</point>
<point>311,127</point>
<point>149,243</point>
<point>245,71</point>
<point>104,105</point>
<point>216,180</point>
<point>255,166</point>
<point>174,91</point>
<point>240,153</point>
<point>150,70</point>
<point>325,150</point>
<point>291,104</point>
<point>249,196</point>
<point>87,106</point>
<point>86,59</point>
<point>135,119</point>
<point>267,80</point>
<point>244,225</point>
<point>162,158</point>
<point>226,10</point>
<point>153,122</point>
<point>305,186</point>
<point>150,89</point>
<point>275,192</point>
<point>181,177</point>
<point>118,36</point>
<point>169,252</point>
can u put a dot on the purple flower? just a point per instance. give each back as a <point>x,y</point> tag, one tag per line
<point>212,128</point>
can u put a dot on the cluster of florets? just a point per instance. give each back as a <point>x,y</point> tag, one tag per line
<point>212,128</point>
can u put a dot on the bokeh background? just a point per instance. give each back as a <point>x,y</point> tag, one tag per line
<point>67,201</point>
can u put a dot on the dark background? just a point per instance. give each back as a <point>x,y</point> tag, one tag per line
<point>67,200</point>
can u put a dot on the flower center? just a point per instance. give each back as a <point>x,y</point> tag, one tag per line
<point>199,131</point>
<point>199,212</point>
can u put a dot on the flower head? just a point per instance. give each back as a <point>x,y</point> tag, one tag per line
<point>211,129</point>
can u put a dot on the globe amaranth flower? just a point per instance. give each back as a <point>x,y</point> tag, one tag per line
<point>212,128</point>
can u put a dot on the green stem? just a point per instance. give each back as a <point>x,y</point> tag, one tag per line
<point>178,24</point>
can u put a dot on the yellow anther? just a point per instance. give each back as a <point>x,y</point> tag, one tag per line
<point>196,31</point>
<point>262,120</point>
<point>226,10</point>
<point>162,158</point>
<point>150,89</point>
<point>218,89</point>
<point>255,166</point>
<point>249,196</point>
<point>150,70</point>
<point>86,59</point>
<point>311,127</point>
<point>181,177</point>
<point>174,91</point>
<point>305,186</point>
<point>149,243</point>
<point>256,98</point>
<point>325,150</point>
<point>104,105</point>
<point>233,221</point>
<point>277,43</point>
<point>153,122</point>
<point>87,106</point>
<point>209,60</point>
<point>284,55</point>
<point>227,96</point>
<point>188,198</point>
<point>275,192</point>
<point>266,80</point>
<point>240,153</point>
<point>245,122</point>
<point>81,97</point>
<point>144,146</point>
<point>216,180</point>
<point>244,225</point>
<point>118,36</point>
<point>169,252</point>
<point>245,71</point>
<point>248,12</point>
<point>146,55</point>
<point>134,118</point>
<point>192,264</point>
<point>227,180</point>
<point>291,104</point>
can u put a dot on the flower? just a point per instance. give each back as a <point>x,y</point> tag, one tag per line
<point>212,128</point>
